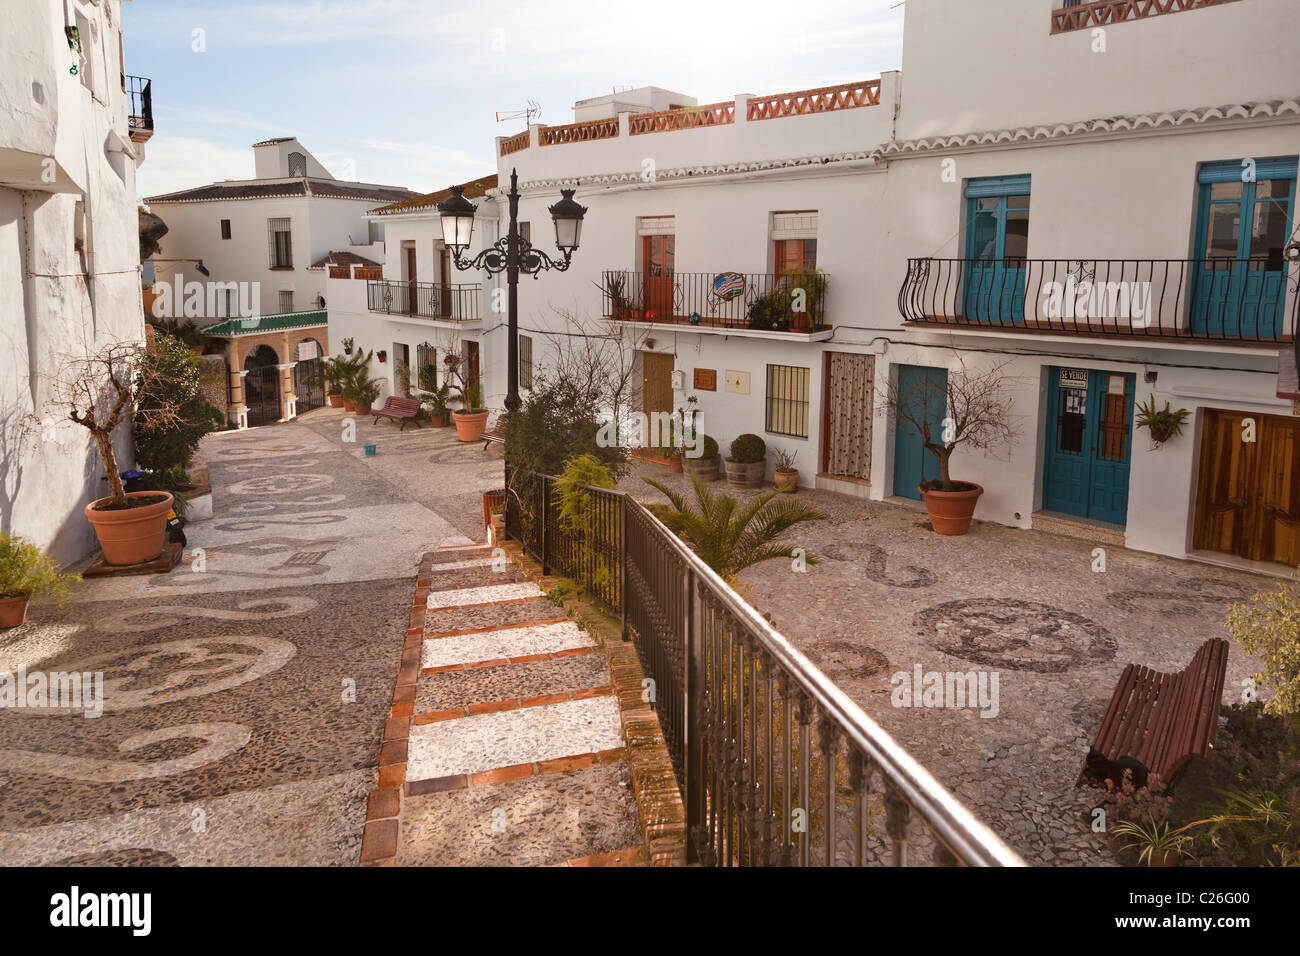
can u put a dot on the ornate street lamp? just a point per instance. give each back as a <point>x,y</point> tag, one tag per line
<point>511,254</point>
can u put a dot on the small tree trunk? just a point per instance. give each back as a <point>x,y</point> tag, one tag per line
<point>109,457</point>
<point>944,475</point>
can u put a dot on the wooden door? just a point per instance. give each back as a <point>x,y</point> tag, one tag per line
<point>1248,503</point>
<point>656,382</point>
<point>849,400</point>
<point>924,389</point>
<point>658,254</point>
<point>444,278</point>
<point>410,280</point>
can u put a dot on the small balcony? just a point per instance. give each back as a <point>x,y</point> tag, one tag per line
<point>1084,15</point>
<point>139,108</point>
<point>747,303</point>
<point>439,301</point>
<point>1219,300</point>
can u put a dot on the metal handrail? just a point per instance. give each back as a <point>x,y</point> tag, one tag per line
<point>430,300</point>
<point>907,782</point>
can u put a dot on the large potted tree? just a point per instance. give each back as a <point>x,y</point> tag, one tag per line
<point>471,419</point>
<point>978,415</point>
<point>99,392</point>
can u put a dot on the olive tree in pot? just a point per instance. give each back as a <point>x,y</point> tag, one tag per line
<point>99,392</point>
<point>978,415</point>
<point>747,465</point>
<point>471,419</point>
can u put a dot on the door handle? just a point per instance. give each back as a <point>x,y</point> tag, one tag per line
<point>1270,509</point>
<point>1238,502</point>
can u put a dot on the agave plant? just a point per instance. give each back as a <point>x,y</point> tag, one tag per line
<point>728,539</point>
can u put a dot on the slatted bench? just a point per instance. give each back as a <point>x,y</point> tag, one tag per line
<point>1155,722</point>
<point>399,409</point>
<point>497,433</point>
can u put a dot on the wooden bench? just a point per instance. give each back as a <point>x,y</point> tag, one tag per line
<point>1155,723</point>
<point>497,433</point>
<point>399,409</point>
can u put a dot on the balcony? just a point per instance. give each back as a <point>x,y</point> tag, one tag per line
<point>426,300</point>
<point>1219,300</point>
<point>747,303</point>
<point>139,99</point>
<point>1103,13</point>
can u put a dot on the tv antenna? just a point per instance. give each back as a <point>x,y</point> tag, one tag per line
<point>528,113</point>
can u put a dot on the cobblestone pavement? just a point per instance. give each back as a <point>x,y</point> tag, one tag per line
<point>246,692</point>
<point>890,595</point>
<point>505,744</point>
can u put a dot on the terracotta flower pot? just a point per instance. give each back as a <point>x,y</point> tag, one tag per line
<point>746,474</point>
<point>349,405</point>
<point>705,469</point>
<point>13,611</point>
<point>438,419</point>
<point>335,400</point>
<point>363,408</point>
<point>470,425</point>
<point>786,481</point>
<point>675,464</point>
<point>131,535</point>
<point>951,511</point>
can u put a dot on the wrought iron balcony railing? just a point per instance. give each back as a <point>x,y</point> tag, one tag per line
<point>790,302</point>
<point>139,107</point>
<point>1220,299</point>
<point>428,300</point>
<point>755,730</point>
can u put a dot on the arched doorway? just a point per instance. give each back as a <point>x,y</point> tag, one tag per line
<point>262,386</point>
<point>307,382</point>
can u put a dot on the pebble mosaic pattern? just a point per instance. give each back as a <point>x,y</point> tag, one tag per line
<point>502,644</point>
<point>464,597</point>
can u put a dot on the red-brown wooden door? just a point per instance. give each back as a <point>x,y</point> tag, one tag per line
<point>657,256</point>
<point>411,302</point>
<point>444,277</point>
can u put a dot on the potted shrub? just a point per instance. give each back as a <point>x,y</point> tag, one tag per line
<point>747,464</point>
<point>813,284</point>
<point>472,419</point>
<point>367,392</point>
<point>332,372</point>
<point>98,391</point>
<point>1164,423</point>
<point>26,572</point>
<point>786,475</point>
<point>979,415</point>
<point>767,311</point>
<point>705,467</point>
<point>348,394</point>
<point>436,401</point>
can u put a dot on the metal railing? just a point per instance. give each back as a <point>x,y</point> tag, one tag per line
<point>794,302</point>
<point>429,300</point>
<point>1081,14</point>
<point>139,98</point>
<point>777,766</point>
<point>1219,299</point>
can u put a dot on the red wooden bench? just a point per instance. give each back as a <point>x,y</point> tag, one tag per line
<point>497,433</point>
<point>1155,722</point>
<point>399,409</point>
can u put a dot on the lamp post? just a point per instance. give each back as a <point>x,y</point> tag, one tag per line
<point>511,254</point>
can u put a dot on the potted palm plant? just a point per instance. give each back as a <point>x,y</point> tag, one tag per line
<point>747,465</point>
<point>979,415</point>
<point>26,572</point>
<point>436,400</point>
<point>786,475</point>
<point>367,390</point>
<point>333,372</point>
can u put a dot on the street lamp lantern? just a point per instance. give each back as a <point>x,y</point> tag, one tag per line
<point>567,214</point>
<point>457,220</point>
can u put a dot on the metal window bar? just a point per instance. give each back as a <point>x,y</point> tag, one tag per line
<point>430,300</point>
<point>787,400</point>
<point>755,730</point>
<point>139,98</point>
<point>279,244</point>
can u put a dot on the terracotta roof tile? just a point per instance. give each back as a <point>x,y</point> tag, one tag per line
<point>344,259</point>
<point>280,188</point>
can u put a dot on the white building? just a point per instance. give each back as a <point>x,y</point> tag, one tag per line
<point>1159,150</point>
<point>423,307</point>
<point>278,230</point>
<point>71,136</point>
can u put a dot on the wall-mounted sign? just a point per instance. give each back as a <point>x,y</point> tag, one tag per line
<point>737,382</point>
<point>679,379</point>
<point>1074,378</point>
<point>1115,384</point>
<point>706,379</point>
<point>308,350</point>
<point>728,285</point>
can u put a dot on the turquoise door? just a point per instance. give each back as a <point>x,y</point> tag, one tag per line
<point>923,388</point>
<point>997,242</point>
<point>1089,443</point>
<point>1242,228</point>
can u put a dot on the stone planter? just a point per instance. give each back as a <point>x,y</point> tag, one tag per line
<point>13,611</point>
<point>131,535</point>
<point>746,474</point>
<point>786,481</point>
<point>951,511</point>
<point>705,469</point>
<point>470,425</point>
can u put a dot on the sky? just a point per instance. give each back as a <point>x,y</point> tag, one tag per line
<point>405,92</point>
